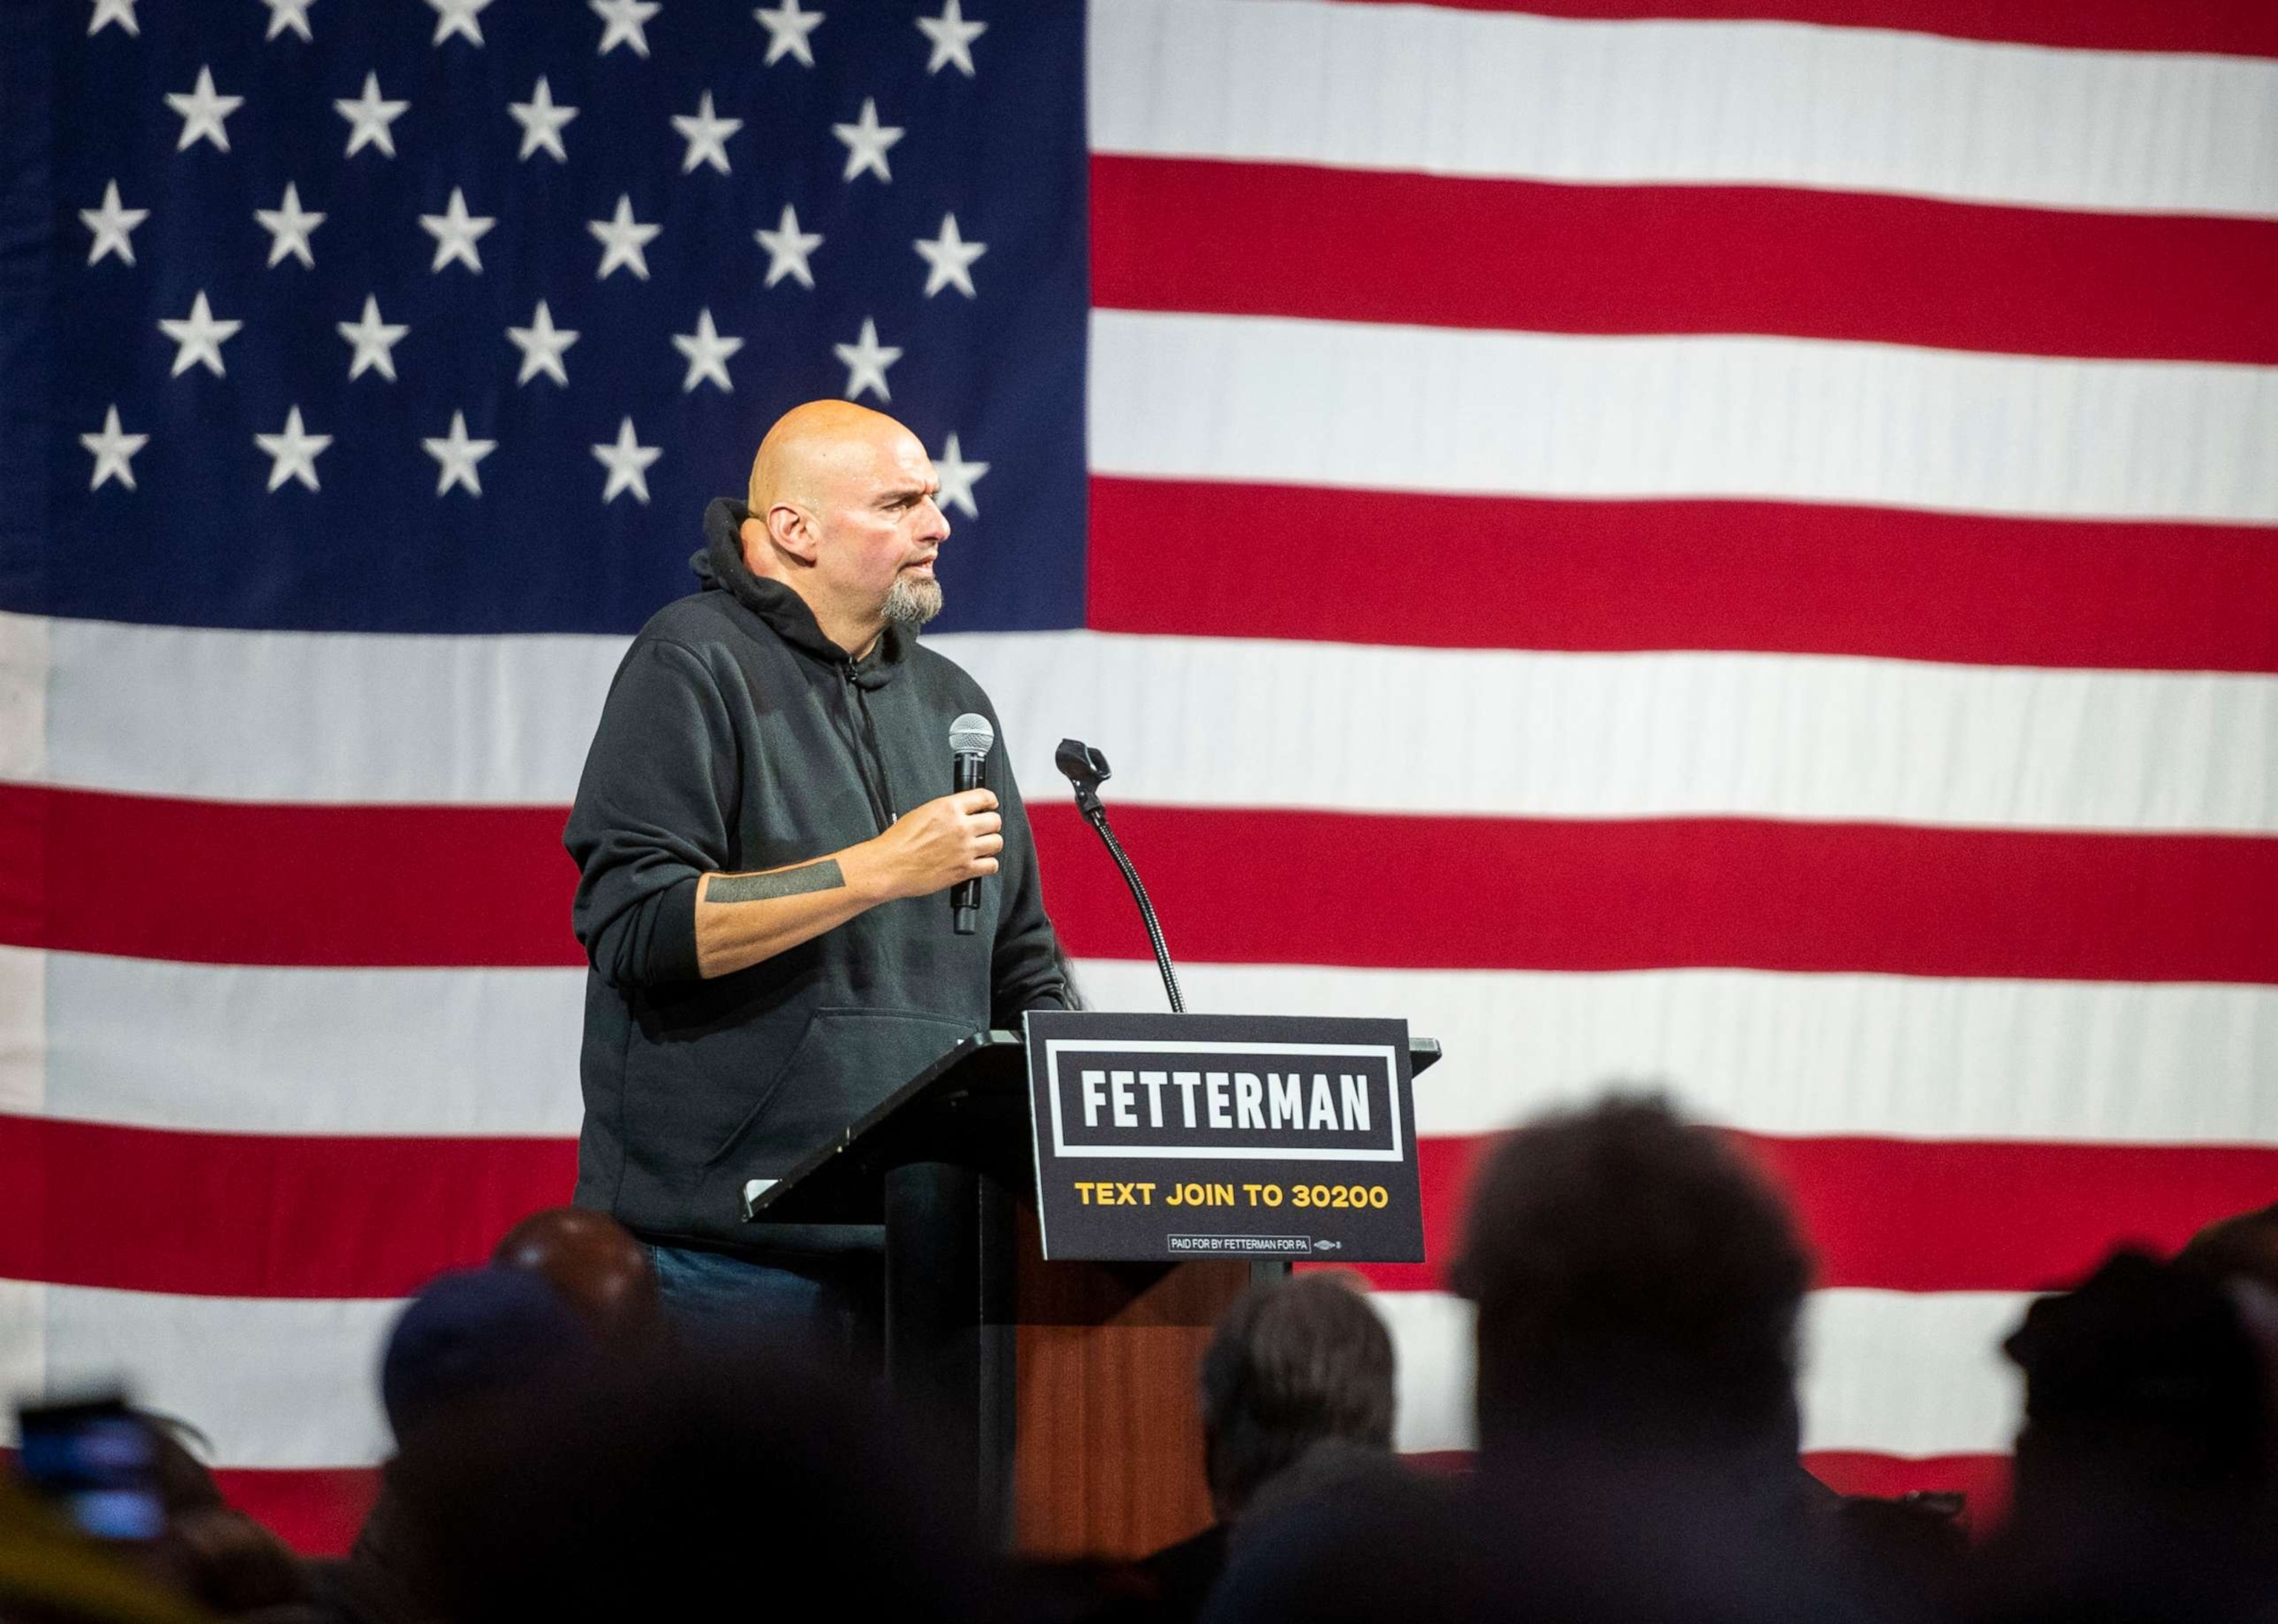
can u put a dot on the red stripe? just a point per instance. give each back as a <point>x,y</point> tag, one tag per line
<point>1542,893</point>
<point>272,1215</point>
<point>315,1511</point>
<point>234,883</point>
<point>1935,1215</point>
<point>1785,578</point>
<point>2238,27</point>
<point>1246,239</point>
<point>365,885</point>
<point>1984,1478</point>
<point>249,1215</point>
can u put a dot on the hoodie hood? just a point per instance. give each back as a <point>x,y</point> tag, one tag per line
<point>719,564</point>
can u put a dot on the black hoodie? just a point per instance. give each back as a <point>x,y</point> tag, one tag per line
<point>737,737</point>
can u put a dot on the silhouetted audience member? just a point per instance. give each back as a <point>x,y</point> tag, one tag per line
<point>2240,1247</point>
<point>473,1335</point>
<point>1296,1398</point>
<point>2144,1474</point>
<point>593,1263</point>
<point>1638,1287</point>
<point>472,1339</point>
<point>678,1485</point>
<point>1910,1550</point>
<point>211,1551</point>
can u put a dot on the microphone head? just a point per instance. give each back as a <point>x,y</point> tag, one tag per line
<point>971,735</point>
<point>1081,765</point>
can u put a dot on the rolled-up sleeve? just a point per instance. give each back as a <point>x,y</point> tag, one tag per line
<point>653,814</point>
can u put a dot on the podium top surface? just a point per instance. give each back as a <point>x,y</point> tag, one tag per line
<point>969,1107</point>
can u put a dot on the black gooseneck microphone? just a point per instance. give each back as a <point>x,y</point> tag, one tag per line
<point>1085,768</point>
<point>970,736</point>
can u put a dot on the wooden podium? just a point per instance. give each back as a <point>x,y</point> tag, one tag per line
<point>1065,1389</point>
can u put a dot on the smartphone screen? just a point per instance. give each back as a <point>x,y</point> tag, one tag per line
<point>98,1461</point>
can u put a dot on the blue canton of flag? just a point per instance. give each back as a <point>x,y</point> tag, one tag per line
<point>449,314</point>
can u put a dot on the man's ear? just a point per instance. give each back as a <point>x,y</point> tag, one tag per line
<point>791,530</point>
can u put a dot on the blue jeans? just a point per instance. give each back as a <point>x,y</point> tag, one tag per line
<point>826,1308</point>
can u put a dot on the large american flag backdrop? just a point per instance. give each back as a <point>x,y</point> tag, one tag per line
<point>1728,543</point>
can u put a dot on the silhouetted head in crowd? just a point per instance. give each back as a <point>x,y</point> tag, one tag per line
<point>672,1484</point>
<point>2145,1382</point>
<point>2141,1477</point>
<point>2244,1247</point>
<point>471,1337</point>
<point>1638,1283</point>
<point>593,1262</point>
<point>1293,1367</point>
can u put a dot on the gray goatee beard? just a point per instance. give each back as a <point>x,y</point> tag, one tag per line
<point>911,603</point>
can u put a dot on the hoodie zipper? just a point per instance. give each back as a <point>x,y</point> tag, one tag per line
<point>867,753</point>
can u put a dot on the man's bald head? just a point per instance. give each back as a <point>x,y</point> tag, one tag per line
<point>843,513</point>
<point>813,447</point>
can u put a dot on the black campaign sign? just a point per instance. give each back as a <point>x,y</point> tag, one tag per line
<point>1162,1137</point>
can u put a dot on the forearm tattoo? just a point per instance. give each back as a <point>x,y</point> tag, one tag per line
<point>798,882</point>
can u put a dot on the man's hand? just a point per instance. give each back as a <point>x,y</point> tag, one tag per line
<point>932,847</point>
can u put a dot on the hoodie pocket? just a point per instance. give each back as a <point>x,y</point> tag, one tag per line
<point>844,1062</point>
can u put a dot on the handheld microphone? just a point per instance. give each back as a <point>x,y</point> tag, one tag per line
<point>970,736</point>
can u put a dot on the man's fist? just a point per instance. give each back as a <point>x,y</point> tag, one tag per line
<point>933,847</point>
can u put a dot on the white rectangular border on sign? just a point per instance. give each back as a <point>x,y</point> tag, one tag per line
<point>1182,1153</point>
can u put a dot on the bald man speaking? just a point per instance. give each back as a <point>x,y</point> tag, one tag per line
<point>764,830</point>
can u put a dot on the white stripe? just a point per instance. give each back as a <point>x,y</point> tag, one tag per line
<point>287,1383</point>
<point>272,1382</point>
<point>330,715</point>
<point>23,1031</point>
<point>1875,1056</point>
<point>1896,1373</point>
<point>1358,405</point>
<point>25,657</point>
<point>287,716</point>
<point>234,1049</point>
<point>238,1049</point>
<point>1454,92</point>
<point>1223,722</point>
<point>1884,1372</point>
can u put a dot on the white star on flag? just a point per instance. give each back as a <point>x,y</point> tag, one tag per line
<point>198,338</point>
<point>113,226</point>
<point>458,455</point>
<point>787,248</point>
<point>375,342</point>
<point>293,453</point>
<point>204,114</point>
<point>958,477</point>
<point>455,233</point>
<point>952,38</point>
<point>951,258</point>
<point>288,228</point>
<point>113,452</point>
<point>541,119</point>
<point>866,141</point>
<point>285,14</point>
<point>627,461</point>
<point>621,25</point>
<point>707,354</point>
<point>623,238</point>
<point>369,117</point>
<point>458,17</point>
<point>866,361</point>
<point>787,28</point>
<point>120,11</point>
<point>542,344</point>
<point>706,135</point>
